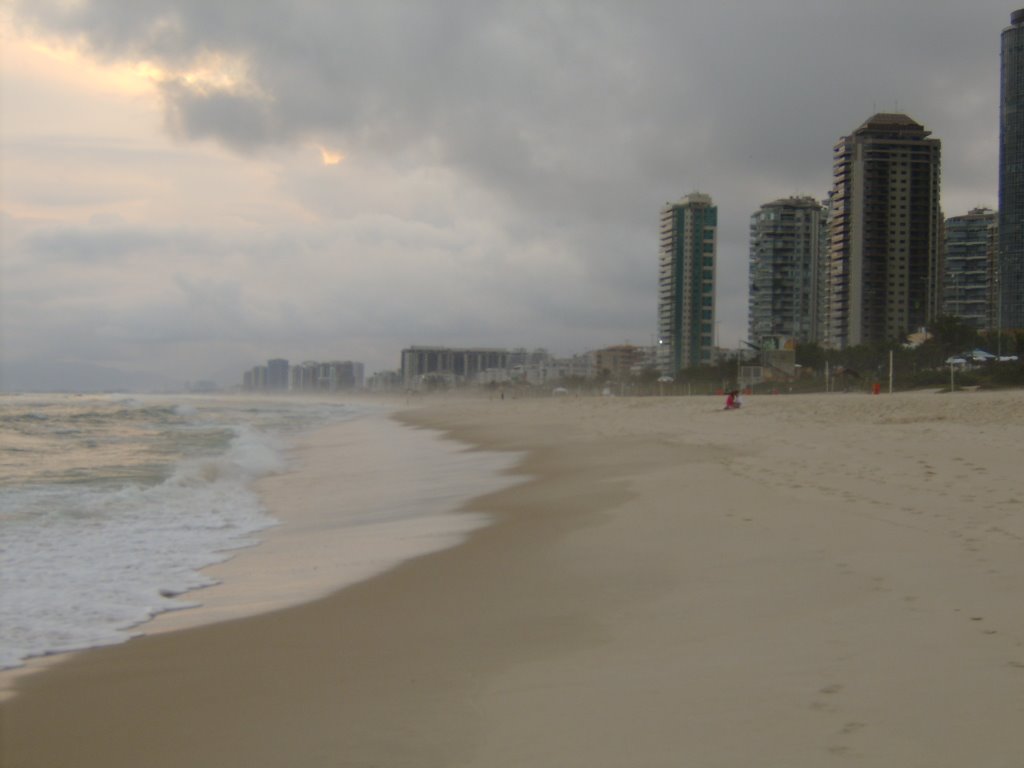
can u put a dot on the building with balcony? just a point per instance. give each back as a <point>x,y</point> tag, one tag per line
<point>788,248</point>
<point>971,266</point>
<point>885,233</point>
<point>1010,304</point>
<point>686,283</point>
<point>452,366</point>
<point>621,361</point>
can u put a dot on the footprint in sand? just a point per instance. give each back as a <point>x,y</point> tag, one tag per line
<point>820,705</point>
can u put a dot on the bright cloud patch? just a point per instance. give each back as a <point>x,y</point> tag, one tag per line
<point>330,157</point>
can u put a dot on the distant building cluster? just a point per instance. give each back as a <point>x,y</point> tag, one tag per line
<point>278,376</point>
<point>862,266</point>
<point>444,367</point>
<point>426,368</point>
<point>874,261</point>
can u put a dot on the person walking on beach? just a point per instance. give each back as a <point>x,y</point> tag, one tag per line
<point>732,400</point>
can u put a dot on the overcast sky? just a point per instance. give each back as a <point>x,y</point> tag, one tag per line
<point>190,187</point>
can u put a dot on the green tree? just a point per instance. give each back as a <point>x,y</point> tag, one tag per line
<point>949,336</point>
<point>953,334</point>
<point>647,379</point>
<point>811,356</point>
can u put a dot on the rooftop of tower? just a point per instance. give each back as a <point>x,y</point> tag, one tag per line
<point>794,201</point>
<point>890,119</point>
<point>1017,17</point>
<point>694,198</point>
<point>892,122</point>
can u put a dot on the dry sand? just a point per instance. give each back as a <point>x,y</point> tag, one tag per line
<point>810,581</point>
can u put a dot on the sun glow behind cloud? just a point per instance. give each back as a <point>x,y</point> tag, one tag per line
<point>69,64</point>
<point>330,157</point>
<point>215,72</point>
<point>210,72</point>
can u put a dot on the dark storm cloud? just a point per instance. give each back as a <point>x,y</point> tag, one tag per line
<point>575,121</point>
<point>559,98</point>
<point>245,123</point>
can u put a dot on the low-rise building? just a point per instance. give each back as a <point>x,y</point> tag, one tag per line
<point>460,366</point>
<point>620,362</point>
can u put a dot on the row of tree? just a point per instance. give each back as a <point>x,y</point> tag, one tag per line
<point>860,367</point>
<point>925,364</point>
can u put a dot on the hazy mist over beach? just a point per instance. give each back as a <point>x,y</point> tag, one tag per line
<point>190,188</point>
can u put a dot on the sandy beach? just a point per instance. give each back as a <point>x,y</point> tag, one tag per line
<point>809,581</point>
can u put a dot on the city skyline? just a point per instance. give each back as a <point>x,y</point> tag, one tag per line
<point>189,191</point>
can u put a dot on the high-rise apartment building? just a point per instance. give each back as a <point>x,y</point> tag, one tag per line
<point>277,374</point>
<point>994,300</point>
<point>788,243</point>
<point>1011,175</point>
<point>686,283</point>
<point>885,232</point>
<point>970,267</point>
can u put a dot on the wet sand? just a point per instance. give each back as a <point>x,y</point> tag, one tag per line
<point>812,580</point>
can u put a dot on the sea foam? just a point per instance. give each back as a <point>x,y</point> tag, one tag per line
<point>82,564</point>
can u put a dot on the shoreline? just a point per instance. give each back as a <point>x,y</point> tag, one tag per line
<point>806,581</point>
<point>315,551</point>
<point>361,526</point>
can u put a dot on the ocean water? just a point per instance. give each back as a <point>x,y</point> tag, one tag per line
<point>110,506</point>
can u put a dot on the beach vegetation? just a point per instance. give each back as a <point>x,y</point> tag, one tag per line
<point>647,379</point>
<point>920,366</point>
<point>701,379</point>
<point>811,356</point>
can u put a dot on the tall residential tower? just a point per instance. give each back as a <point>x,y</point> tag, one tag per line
<point>885,273</point>
<point>686,283</point>
<point>970,268</point>
<point>1011,175</point>
<point>788,240</point>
